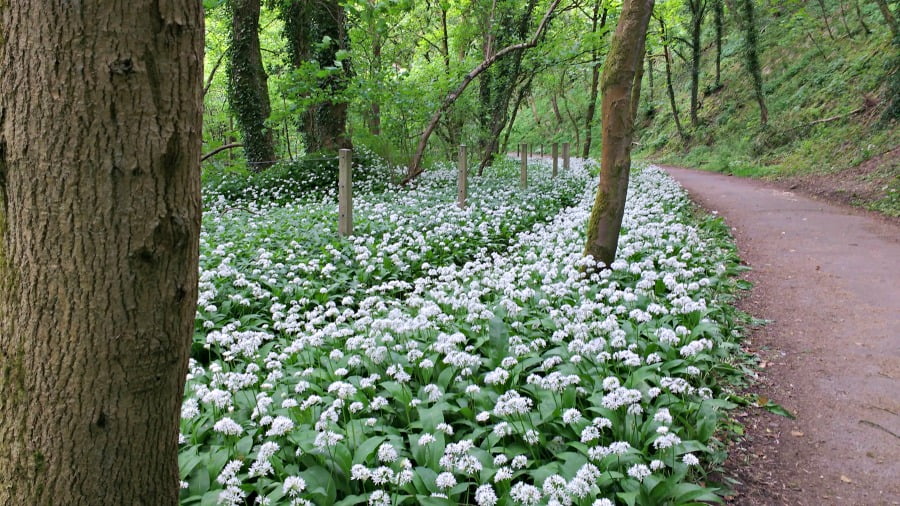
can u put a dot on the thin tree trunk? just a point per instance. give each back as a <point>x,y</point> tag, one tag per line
<point>595,81</point>
<point>751,50</point>
<point>698,8</point>
<point>825,19</point>
<point>669,89</point>
<point>862,21</point>
<point>248,92</point>
<point>626,53</point>
<point>844,19</point>
<point>718,20</point>
<point>415,166</point>
<point>650,76</point>
<point>100,118</point>
<point>888,16</point>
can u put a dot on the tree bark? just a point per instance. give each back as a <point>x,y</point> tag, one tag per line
<point>248,91</point>
<point>626,53</point>
<point>323,124</point>
<point>100,119</point>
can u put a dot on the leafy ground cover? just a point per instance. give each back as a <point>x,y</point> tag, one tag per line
<point>447,356</point>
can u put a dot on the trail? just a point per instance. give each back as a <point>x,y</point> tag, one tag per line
<point>828,278</point>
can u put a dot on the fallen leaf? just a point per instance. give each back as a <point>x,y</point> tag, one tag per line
<point>762,400</point>
<point>796,433</point>
<point>845,479</point>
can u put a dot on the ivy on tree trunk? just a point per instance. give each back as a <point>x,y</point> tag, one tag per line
<point>248,91</point>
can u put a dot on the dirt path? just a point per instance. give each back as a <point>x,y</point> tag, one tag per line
<point>829,279</point>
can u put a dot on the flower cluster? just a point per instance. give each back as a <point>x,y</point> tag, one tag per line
<point>445,355</point>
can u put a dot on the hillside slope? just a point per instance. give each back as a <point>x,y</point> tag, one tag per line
<point>827,97</point>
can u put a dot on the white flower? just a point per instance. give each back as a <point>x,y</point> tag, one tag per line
<point>524,493</point>
<point>571,415</point>
<point>228,427</point>
<point>639,472</point>
<point>485,496</point>
<point>445,480</point>
<point>387,453</point>
<point>690,459</point>
<point>293,485</point>
<point>281,425</point>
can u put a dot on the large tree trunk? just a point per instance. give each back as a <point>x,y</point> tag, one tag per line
<point>751,57</point>
<point>248,91</point>
<point>100,118</point>
<point>306,25</point>
<point>625,55</point>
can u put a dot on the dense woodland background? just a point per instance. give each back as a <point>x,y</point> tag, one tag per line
<point>369,74</point>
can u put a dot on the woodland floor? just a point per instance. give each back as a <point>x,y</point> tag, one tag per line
<point>827,278</point>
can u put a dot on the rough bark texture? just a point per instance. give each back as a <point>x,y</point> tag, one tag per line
<point>248,90</point>
<point>306,25</point>
<point>625,56</point>
<point>100,117</point>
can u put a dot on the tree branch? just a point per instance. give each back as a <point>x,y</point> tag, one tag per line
<point>415,168</point>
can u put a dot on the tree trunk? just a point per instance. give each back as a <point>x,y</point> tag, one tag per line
<point>888,16</point>
<point>825,19</point>
<point>626,53</point>
<point>751,54</point>
<point>248,92</point>
<point>598,21</point>
<point>718,20</point>
<point>669,89</point>
<point>306,24</point>
<point>100,118</point>
<point>698,9</point>
<point>862,21</point>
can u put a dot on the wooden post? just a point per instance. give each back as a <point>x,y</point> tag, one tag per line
<point>523,174</point>
<point>565,155</point>
<point>461,181</point>
<point>555,150</point>
<point>345,194</point>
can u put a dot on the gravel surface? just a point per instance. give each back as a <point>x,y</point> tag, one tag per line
<point>827,277</point>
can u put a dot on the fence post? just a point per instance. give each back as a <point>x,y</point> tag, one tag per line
<point>345,194</point>
<point>523,173</point>
<point>461,181</point>
<point>565,155</point>
<point>555,150</point>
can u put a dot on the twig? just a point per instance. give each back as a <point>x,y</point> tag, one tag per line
<point>220,149</point>
<point>873,424</point>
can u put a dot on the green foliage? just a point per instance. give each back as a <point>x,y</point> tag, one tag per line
<point>807,78</point>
